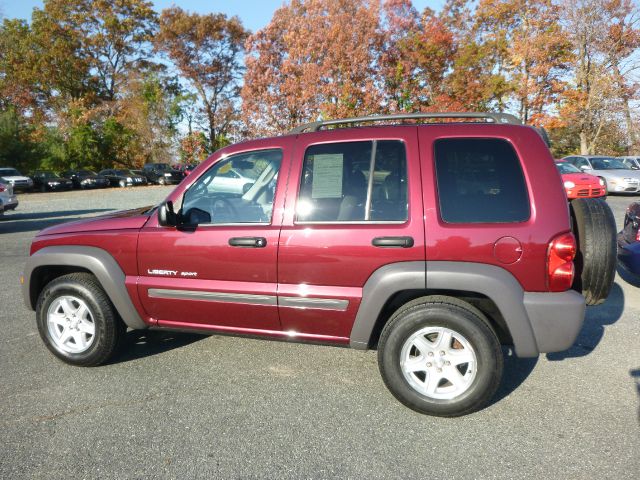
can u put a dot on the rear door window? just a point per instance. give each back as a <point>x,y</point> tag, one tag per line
<point>480,181</point>
<point>337,184</point>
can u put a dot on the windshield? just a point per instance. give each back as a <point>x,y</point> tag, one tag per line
<point>47,175</point>
<point>86,172</point>
<point>123,172</point>
<point>163,166</point>
<point>9,172</point>
<point>608,164</point>
<point>567,168</point>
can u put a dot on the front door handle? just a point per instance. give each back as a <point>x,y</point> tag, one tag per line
<point>392,242</point>
<point>248,242</point>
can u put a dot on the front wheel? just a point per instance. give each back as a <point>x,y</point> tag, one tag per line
<point>162,181</point>
<point>77,321</point>
<point>439,356</point>
<point>122,183</point>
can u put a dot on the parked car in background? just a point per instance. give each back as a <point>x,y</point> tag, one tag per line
<point>631,162</point>
<point>141,174</point>
<point>46,180</point>
<point>13,177</point>
<point>578,184</point>
<point>187,169</point>
<point>161,174</point>
<point>86,179</point>
<point>618,178</point>
<point>123,178</point>
<point>232,181</point>
<point>8,201</point>
<point>629,239</point>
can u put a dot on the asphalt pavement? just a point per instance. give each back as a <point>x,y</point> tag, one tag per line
<point>191,406</point>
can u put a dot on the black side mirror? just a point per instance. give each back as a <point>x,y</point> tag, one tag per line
<point>166,216</point>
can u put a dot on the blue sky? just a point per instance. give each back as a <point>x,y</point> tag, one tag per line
<point>255,14</point>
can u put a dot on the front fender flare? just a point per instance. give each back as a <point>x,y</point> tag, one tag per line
<point>96,260</point>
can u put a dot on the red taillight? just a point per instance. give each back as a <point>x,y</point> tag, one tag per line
<point>637,233</point>
<point>562,251</point>
<point>2,188</point>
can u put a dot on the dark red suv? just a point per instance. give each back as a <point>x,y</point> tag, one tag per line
<point>434,243</point>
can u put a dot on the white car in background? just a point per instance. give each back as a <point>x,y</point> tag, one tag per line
<point>8,201</point>
<point>13,177</point>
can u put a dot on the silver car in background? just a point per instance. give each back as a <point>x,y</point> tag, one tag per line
<point>630,161</point>
<point>617,176</point>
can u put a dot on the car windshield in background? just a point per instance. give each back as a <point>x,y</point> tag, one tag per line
<point>567,168</point>
<point>48,175</point>
<point>86,172</point>
<point>123,172</point>
<point>163,166</point>
<point>9,172</point>
<point>608,164</point>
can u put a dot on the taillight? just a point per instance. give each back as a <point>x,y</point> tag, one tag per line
<point>562,251</point>
<point>2,188</point>
<point>637,233</point>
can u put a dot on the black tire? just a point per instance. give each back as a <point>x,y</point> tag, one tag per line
<point>109,328</point>
<point>162,181</point>
<point>122,183</point>
<point>464,320</point>
<point>43,188</point>
<point>595,263</point>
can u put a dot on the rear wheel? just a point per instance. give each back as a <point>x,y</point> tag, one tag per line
<point>595,231</point>
<point>77,321</point>
<point>438,355</point>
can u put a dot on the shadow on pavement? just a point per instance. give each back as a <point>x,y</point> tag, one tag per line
<point>516,371</point>
<point>635,374</point>
<point>145,343</point>
<point>593,329</point>
<point>29,222</point>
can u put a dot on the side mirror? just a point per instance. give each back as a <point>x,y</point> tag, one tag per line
<point>195,216</point>
<point>166,216</point>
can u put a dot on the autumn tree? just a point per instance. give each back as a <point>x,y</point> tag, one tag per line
<point>206,50</point>
<point>415,57</point>
<point>603,36</point>
<point>315,58</point>
<point>529,50</point>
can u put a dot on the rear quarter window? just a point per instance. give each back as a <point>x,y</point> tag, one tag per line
<point>480,181</point>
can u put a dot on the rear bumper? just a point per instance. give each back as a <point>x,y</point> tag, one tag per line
<point>556,318</point>
<point>11,203</point>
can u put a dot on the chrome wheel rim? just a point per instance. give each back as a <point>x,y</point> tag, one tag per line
<point>438,363</point>
<point>71,324</point>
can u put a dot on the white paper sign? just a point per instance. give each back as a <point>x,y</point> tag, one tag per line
<point>327,175</point>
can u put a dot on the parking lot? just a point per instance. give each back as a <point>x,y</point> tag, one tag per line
<point>191,406</point>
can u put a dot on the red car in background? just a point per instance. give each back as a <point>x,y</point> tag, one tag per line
<point>578,184</point>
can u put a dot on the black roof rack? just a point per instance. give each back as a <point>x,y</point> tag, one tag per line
<point>490,117</point>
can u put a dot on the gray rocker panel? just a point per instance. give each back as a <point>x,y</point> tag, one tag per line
<point>97,261</point>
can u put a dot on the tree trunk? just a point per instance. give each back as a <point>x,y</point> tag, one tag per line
<point>584,143</point>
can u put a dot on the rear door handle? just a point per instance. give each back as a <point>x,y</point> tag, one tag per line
<point>392,242</point>
<point>248,242</point>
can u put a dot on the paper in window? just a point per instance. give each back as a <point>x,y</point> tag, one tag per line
<point>327,175</point>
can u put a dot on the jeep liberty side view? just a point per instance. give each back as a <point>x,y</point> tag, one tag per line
<point>434,238</point>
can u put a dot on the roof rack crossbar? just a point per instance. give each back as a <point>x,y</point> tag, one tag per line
<point>491,117</point>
